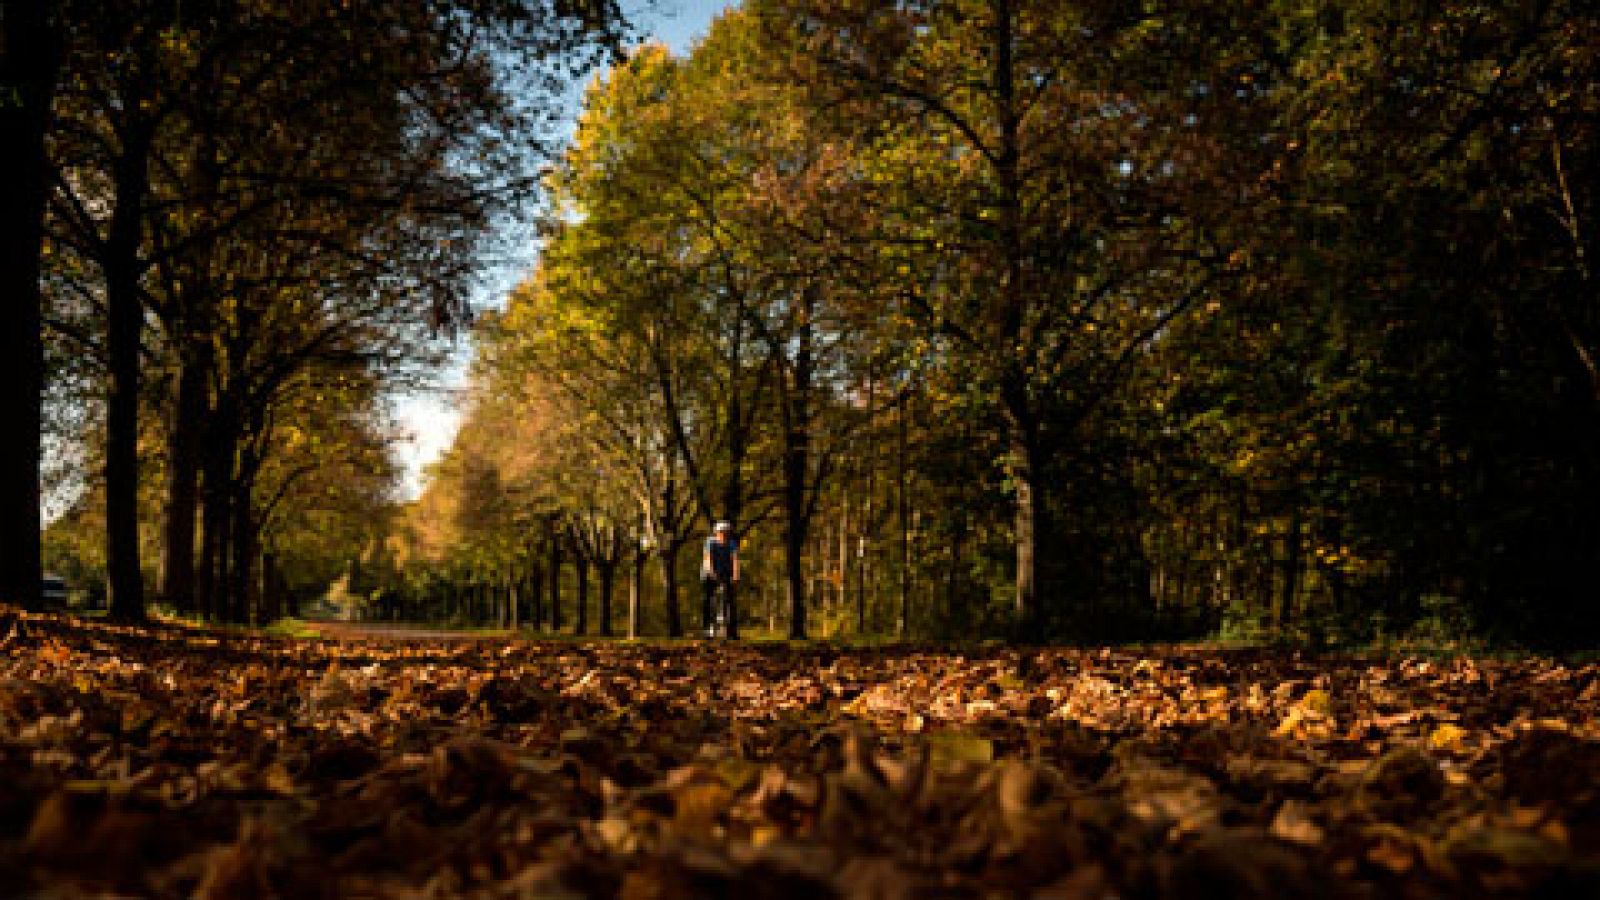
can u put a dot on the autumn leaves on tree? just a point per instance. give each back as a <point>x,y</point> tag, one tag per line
<point>258,218</point>
<point>1184,318</point>
<point>993,317</point>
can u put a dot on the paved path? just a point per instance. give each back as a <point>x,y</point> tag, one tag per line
<point>385,631</point>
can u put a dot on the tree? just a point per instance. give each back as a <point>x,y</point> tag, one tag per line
<point>186,161</point>
<point>1048,177</point>
<point>30,58</point>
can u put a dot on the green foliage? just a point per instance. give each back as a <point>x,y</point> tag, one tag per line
<point>1088,320</point>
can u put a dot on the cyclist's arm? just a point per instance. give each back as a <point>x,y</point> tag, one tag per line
<point>735,565</point>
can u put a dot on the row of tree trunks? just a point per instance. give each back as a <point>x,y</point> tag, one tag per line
<point>501,600</point>
<point>29,61</point>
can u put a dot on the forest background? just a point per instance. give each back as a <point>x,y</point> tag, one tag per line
<point>1088,320</point>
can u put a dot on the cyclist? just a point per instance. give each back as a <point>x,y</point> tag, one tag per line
<point>719,571</point>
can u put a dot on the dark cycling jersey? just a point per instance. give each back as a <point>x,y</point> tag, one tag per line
<point>721,553</point>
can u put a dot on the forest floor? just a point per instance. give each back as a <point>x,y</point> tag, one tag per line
<point>177,762</point>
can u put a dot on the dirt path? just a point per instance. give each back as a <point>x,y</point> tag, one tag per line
<point>384,631</point>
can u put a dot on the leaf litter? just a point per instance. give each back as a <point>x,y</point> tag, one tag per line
<point>168,762</point>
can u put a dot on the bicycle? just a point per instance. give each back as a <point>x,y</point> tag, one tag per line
<point>718,627</point>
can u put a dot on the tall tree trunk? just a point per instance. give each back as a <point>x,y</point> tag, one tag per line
<point>125,323</point>
<point>796,466</point>
<point>1015,328</point>
<point>867,528</point>
<point>184,444</point>
<point>555,580</point>
<point>1024,470</point>
<point>213,546</point>
<point>794,575</point>
<point>733,489</point>
<point>607,570</point>
<point>513,604</point>
<point>903,510</point>
<point>1026,526</point>
<point>636,590</point>
<point>861,559</point>
<point>272,593</point>
<point>668,558</point>
<point>216,520</point>
<point>535,595</point>
<point>29,63</point>
<point>580,565</point>
<point>241,581</point>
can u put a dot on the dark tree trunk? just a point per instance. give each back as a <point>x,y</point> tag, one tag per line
<point>731,605</point>
<point>274,598</point>
<point>607,570</point>
<point>555,580</point>
<point>216,520</point>
<point>794,538</point>
<point>184,446</point>
<point>291,599</point>
<point>796,470</point>
<point>1026,527</point>
<point>213,546</point>
<point>535,595</point>
<point>636,590</point>
<point>580,566</point>
<point>1015,330</point>
<point>903,510</point>
<point>241,582</point>
<point>29,63</point>
<point>738,446</point>
<point>124,327</point>
<point>669,585</point>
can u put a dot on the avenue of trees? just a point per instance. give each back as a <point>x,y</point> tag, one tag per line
<point>1070,319</point>
<point>239,224</point>
<point>1039,319</point>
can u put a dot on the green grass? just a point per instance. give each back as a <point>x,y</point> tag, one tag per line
<point>291,628</point>
<point>286,627</point>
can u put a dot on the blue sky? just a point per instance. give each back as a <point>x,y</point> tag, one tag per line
<point>430,418</point>
<point>680,21</point>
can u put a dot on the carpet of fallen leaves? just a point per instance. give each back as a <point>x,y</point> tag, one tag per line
<point>175,763</point>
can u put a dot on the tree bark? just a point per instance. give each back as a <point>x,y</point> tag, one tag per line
<point>1015,330</point>
<point>184,444</point>
<point>580,565</point>
<point>215,520</point>
<point>607,570</point>
<point>670,551</point>
<point>273,605</point>
<point>796,467</point>
<point>903,509</point>
<point>636,591</point>
<point>535,594</point>
<point>555,580</point>
<point>241,582</point>
<point>29,63</point>
<point>125,324</point>
<point>1027,517</point>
